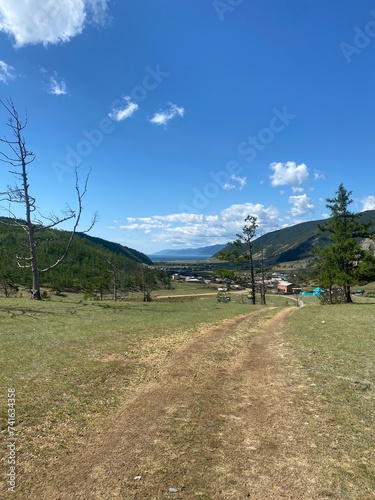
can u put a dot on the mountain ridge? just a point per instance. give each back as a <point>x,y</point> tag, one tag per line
<point>207,251</point>
<point>294,242</point>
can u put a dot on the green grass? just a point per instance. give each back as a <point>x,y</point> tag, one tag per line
<point>336,347</point>
<point>188,288</point>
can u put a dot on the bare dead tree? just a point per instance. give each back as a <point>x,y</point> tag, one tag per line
<point>19,157</point>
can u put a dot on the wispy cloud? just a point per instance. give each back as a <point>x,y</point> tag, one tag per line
<point>318,175</point>
<point>57,86</point>
<point>164,116</point>
<point>99,12</point>
<point>122,112</point>
<point>6,72</point>
<point>288,173</point>
<point>296,189</point>
<point>49,22</point>
<point>241,183</point>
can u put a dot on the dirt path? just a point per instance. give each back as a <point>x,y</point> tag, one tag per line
<point>219,422</point>
<point>190,296</point>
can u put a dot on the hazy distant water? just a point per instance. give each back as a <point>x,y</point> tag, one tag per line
<point>176,257</point>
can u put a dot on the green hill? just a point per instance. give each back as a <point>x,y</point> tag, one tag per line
<point>118,249</point>
<point>295,242</point>
<point>89,264</point>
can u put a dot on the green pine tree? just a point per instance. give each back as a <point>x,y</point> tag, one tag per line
<point>344,260</point>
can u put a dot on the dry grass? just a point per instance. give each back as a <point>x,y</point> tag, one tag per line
<point>336,348</point>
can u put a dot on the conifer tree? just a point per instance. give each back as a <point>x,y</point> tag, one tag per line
<point>343,261</point>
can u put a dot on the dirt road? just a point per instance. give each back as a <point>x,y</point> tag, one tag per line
<point>219,421</point>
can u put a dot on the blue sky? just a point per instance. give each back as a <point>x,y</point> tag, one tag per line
<point>192,114</point>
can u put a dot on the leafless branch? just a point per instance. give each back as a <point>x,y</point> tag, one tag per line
<point>54,220</point>
<point>80,195</point>
<point>22,157</point>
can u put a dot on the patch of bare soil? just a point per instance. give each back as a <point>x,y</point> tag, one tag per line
<point>219,421</point>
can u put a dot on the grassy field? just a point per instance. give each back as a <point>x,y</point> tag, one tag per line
<point>72,361</point>
<point>336,348</point>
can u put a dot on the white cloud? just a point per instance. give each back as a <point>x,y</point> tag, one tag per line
<point>368,203</point>
<point>301,205</point>
<point>241,181</point>
<point>57,87</point>
<point>191,230</point>
<point>318,175</point>
<point>123,112</point>
<point>288,173</point>
<point>297,189</point>
<point>6,72</point>
<point>49,22</point>
<point>163,117</point>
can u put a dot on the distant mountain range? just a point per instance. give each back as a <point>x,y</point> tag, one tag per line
<point>187,253</point>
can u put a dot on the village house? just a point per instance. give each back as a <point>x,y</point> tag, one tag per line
<point>287,287</point>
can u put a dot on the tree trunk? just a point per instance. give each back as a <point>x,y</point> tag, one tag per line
<point>252,276</point>
<point>263,285</point>
<point>330,295</point>
<point>263,295</point>
<point>347,294</point>
<point>114,289</point>
<point>35,292</point>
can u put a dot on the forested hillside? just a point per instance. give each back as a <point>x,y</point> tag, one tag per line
<point>93,265</point>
